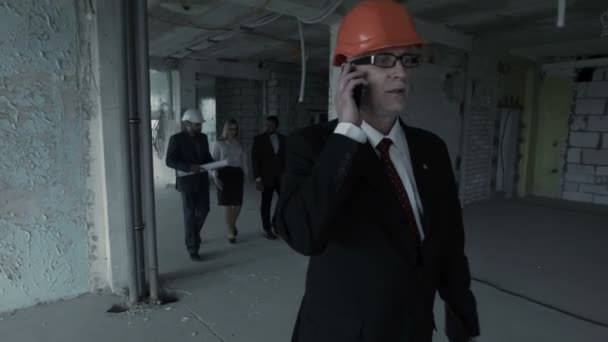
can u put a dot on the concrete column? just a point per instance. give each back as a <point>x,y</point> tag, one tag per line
<point>108,66</point>
<point>176,95</point>
<point>334,72</point>
<point>187,82</point>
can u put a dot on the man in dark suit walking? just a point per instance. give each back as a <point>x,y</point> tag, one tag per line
<point>187,151</point>
<point>268,158</point>
<point>373,201</point>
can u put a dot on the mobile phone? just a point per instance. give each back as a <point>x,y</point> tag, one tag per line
<point>357,93</point>
<point>358,90</point>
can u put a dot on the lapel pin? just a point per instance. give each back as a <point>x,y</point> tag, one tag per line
<point>424,166</point>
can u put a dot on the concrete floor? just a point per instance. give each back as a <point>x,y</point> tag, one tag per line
<point>551,252</point>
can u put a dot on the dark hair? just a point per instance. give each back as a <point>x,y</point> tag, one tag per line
<point>274,119</point>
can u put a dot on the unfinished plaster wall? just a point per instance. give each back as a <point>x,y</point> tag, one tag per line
<point>586,176</point>
<point>44,250</point>
<point>479,116</point>
<point>282,97</point>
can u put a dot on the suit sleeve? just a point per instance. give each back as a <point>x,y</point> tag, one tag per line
<point>455,281</point>
<point>173,160</point>
<point>314,188</point>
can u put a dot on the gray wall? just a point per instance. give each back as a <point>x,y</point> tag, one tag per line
<point>586,176</point>
<point>43,155</point>
<point>250,101</point>
<point>282,95</point>
<point>241,100</point>
<point>480,114</point>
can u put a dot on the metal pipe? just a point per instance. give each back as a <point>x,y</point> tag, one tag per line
<point>134,123</point>
<point>143,96</point>
<point>126,158</point>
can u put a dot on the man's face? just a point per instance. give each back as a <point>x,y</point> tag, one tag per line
<point>193,128</point>
<point>388,87</point>
<point>270,126</point>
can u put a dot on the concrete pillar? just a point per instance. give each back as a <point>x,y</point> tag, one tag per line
<point>334,72</point>
<point>108,66</point>
<point>187,82</point>
<point>176,95</point>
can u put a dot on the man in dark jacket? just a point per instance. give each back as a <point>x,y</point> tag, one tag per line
<point>268,158</point>
<point>373,201</point>
<point>187,151</point>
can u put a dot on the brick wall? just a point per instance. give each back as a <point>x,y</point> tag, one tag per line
<point>241,100</point>
<point>283,90</point>
<point>480,114</point>
<point>586,172</point>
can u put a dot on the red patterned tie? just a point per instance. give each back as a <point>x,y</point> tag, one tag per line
<point>395,180</point>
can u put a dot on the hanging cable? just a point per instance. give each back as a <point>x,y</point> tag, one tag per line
<point>264,20</point>
<point>323,14</point>
<point>303,62</point>
<point>561,13</point>
<point>543,304</point>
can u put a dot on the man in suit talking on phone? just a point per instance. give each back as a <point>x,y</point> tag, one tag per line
<point>373,201</point>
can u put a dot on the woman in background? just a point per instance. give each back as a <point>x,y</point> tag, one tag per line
<point>229,180</point>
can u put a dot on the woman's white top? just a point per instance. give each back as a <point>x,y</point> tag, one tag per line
<point>231,151</point>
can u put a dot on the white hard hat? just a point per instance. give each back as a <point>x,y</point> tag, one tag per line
<point>193,115</point>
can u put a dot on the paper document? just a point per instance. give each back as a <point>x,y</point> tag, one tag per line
<point>215,165</point>
<point>208,167</point>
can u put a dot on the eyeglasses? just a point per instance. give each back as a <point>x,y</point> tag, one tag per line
<point>388,60</point>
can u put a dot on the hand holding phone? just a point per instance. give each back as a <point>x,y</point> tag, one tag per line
<point>350,86</point>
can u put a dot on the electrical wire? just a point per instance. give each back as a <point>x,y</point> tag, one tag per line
<point>264,20</point>
<point>323,14</point>
<point>303,62</point>
<point>538,302</point>
<point>502,147</point>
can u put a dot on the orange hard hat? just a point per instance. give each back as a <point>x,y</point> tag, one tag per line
<point>375,25</point>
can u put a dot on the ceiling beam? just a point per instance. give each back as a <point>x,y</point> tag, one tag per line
<point>587,47</point>
<point>441,34</point>
<point>519,39</point>
<point>213,67</point>
<point>585,63</point>
<point>430,31</point>
<point>286,7</point>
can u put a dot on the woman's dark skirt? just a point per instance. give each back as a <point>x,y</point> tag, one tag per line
<point>232,179</point>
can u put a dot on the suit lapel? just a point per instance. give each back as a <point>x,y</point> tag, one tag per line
<point>420,167</point>
<point>382,199</point>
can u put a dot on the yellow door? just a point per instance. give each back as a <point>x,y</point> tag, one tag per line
<point>555,98</point>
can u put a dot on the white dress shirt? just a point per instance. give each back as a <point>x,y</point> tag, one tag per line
<point>399,154</point>
<point>274,139</point>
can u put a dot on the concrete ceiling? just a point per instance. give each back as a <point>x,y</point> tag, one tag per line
<point>221,29</point>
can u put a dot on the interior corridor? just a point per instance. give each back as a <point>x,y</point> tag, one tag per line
<point>549,251</point>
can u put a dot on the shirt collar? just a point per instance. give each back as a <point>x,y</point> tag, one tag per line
<point>396,135</point>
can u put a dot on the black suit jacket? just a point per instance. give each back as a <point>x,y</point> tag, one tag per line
<point>182,154</point>
<point>366,281</point>
<point>266,164</point>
